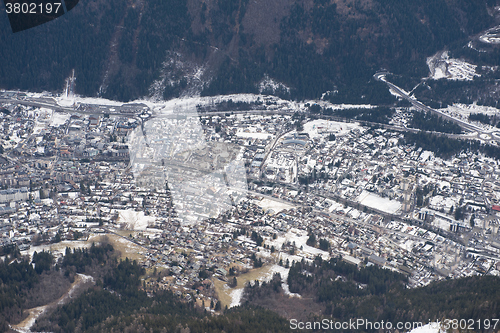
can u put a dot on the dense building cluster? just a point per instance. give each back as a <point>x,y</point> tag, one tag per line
<point>208,198</point>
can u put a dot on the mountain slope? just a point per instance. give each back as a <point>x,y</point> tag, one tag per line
<point>119,49</point>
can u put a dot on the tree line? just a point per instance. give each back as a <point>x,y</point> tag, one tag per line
<point>338,57</point>
<point>428,121</point>
<point>118,303</point>
<point>446,147</point>
<point>344,291</point>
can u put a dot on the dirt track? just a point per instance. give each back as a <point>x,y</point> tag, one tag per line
<point>34,313</point>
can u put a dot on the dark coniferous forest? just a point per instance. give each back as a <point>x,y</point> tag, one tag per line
<point>335,289</point>
<point>334,47</point>
<point>340,291</point>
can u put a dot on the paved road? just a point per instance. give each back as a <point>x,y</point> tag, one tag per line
<point>380,76</point>
<point>97,109</point>
<point>108,109</point>
<point>43,103</point>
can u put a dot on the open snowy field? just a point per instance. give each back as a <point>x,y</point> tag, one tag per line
<point>276,206</point>
<point>58,249</point>
<point>464,110</point>
<point>59,119</point>
<point>374,201</point>
<point>134,220</point>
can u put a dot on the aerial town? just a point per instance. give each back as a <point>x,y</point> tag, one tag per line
<point>210,194</point>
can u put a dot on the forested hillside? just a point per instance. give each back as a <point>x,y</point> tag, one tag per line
<point>332,289</point>
<point>115,303</point>
<point>340,291</point>
<point>118,49</point>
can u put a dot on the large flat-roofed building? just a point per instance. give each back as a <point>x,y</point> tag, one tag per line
<point>15,194</point>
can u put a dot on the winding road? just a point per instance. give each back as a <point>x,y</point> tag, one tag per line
<point>478,132</point>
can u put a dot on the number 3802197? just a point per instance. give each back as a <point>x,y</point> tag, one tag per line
<point>33,8</point>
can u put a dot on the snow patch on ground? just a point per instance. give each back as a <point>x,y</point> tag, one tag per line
<point>82,279</point>
<point>134,220</point>
<point>284,277</point>
<point>63,101</point>
<point>178,72</point>
<point>326,104</point>
<point>374,201</point>
<point>276,206</point>
<point>426,155</point>
<point>25,326</point>
<point>237,294</point>
<point>66,101</point>
<point>395,93</point>
<point>236,297</point>
<point>268,85</point>
<point>442,66</point>
<point>35,313</point>
<point>59,119</point>
<point>299,237</point>
<point>462,112</point>
<point>492,36</point>
<point>57,248</point>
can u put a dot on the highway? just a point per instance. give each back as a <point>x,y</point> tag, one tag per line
<point>481,135</point>
<point>100,110</point>
<point>43,103</point>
